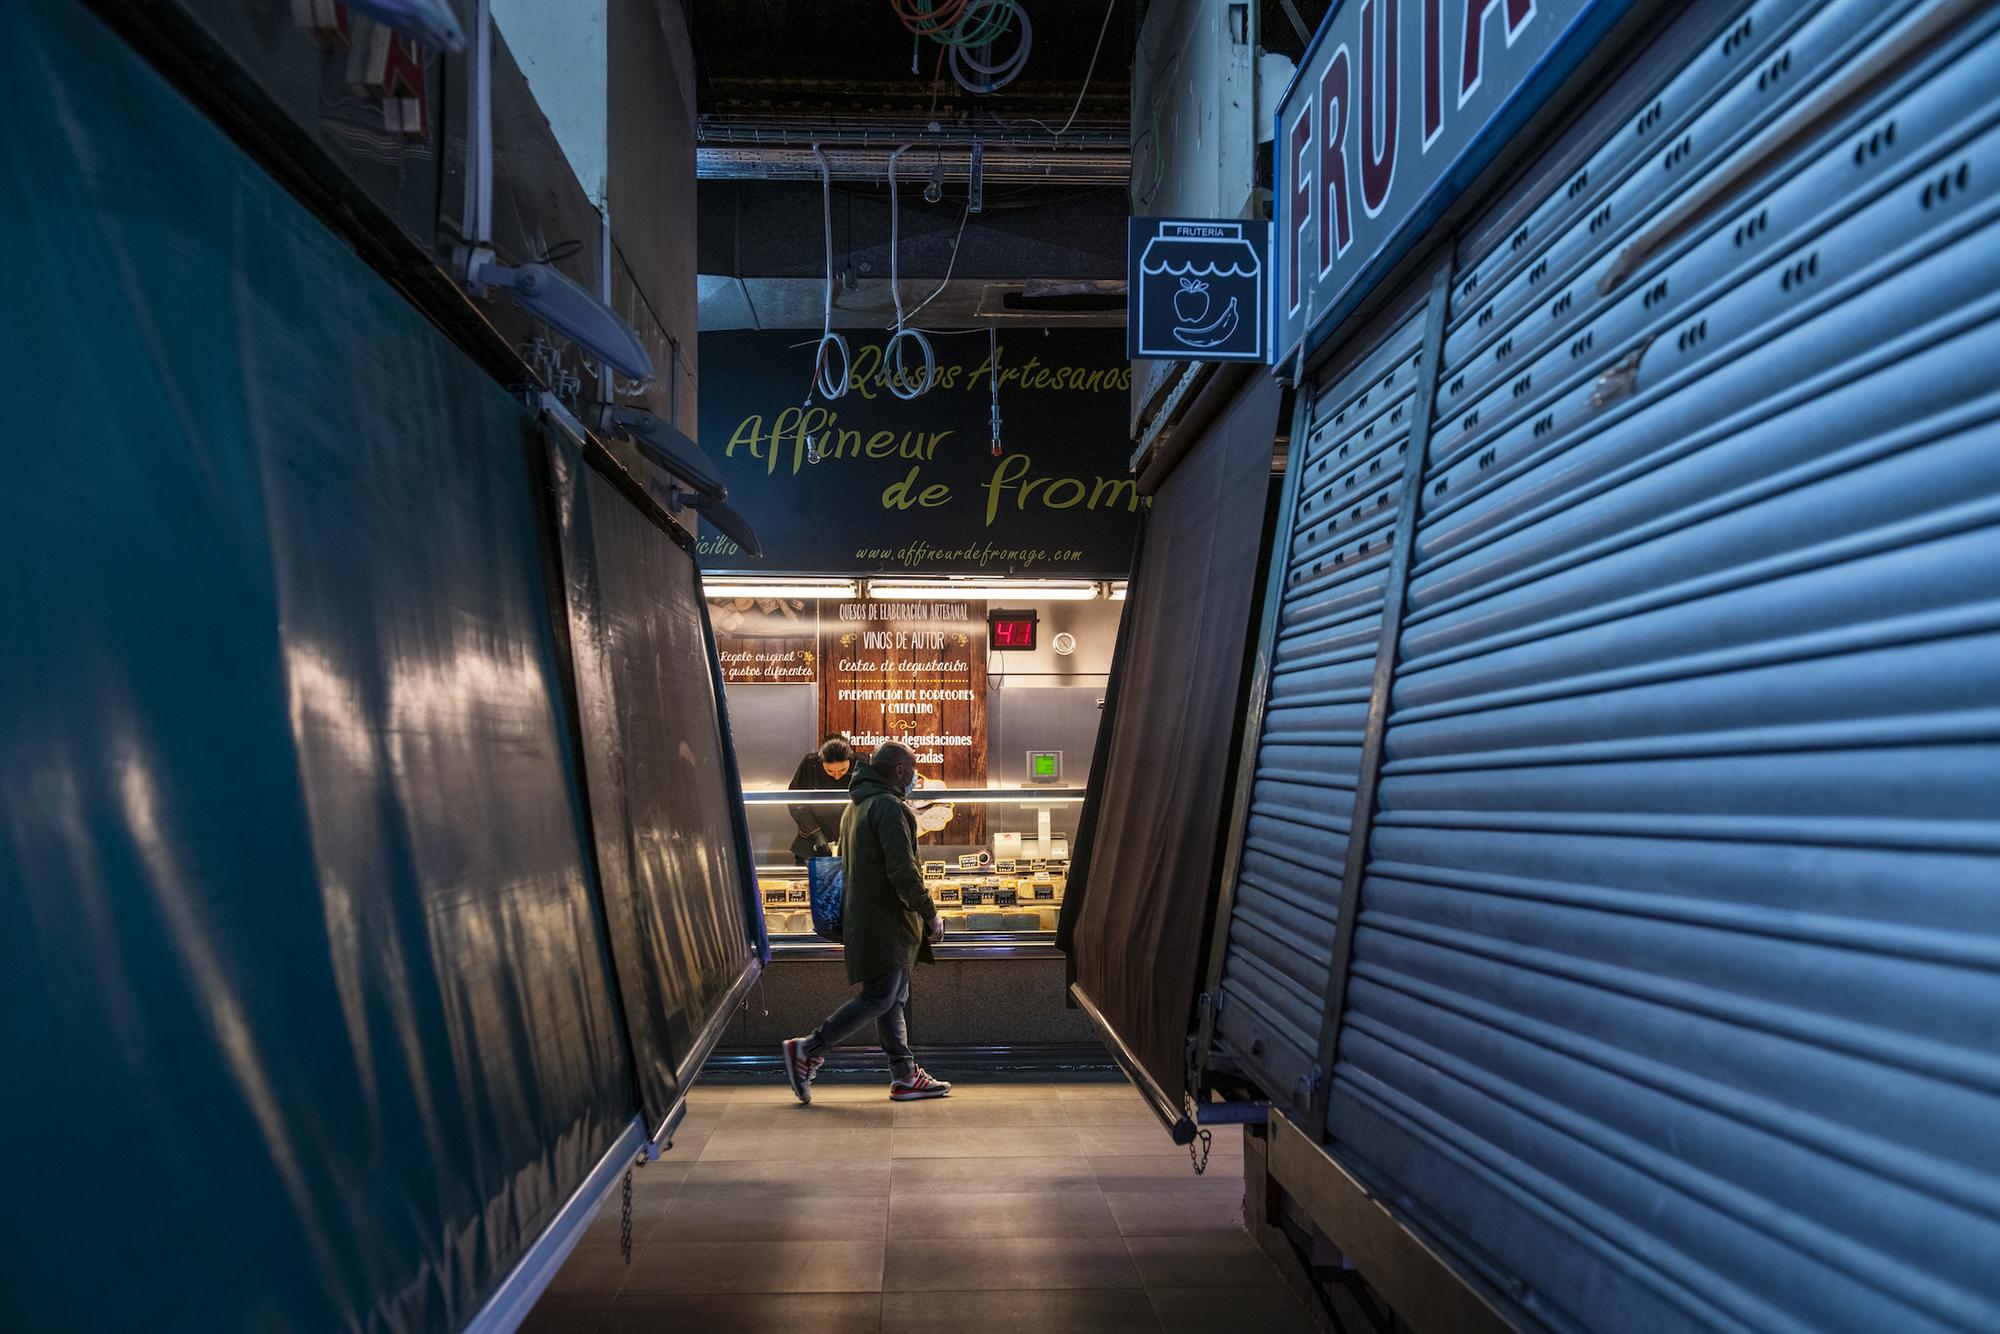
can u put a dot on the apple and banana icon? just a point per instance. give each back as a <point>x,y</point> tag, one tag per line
<point>1215,332</point>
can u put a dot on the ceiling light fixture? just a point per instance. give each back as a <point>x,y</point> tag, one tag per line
<point>1046,590</point>
<point>801,589</point>
<point>719,513</point>
<point>667,447</point>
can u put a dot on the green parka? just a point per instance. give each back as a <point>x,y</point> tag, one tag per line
<point>887,912</point>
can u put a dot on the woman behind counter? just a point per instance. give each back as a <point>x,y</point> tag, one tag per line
<point>827,769</point>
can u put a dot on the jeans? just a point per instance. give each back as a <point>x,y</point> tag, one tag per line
<point>884,999</point>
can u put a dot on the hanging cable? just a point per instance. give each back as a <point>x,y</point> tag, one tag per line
<point>892,355</point>
<point>957,237</point>
<point>830,386</point>
<point>1088,74</point>
<point>1098,50</point>
<point>993,365</point>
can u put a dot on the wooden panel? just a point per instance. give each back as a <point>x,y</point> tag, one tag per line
<point>768,641</point>
<point>913,672</point>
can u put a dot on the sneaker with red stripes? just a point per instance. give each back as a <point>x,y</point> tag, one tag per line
<point>918,1085</point>
<point>801,1069</point>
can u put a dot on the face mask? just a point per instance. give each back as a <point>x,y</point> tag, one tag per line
<point>910,783</point>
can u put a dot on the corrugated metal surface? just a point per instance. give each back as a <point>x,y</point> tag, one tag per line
<point>1675,993</point>
<point>1343,509</point>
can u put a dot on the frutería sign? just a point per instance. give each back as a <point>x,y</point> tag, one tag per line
<point>1197,289</point>
<point>1397,105</point>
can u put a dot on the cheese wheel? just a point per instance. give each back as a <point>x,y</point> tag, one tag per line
<point>1020,921</point>
<point>985,921</point>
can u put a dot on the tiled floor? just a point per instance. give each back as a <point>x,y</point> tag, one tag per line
<point>1038,1207</point>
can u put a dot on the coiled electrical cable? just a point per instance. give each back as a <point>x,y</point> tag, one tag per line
<point>953,22</point>
<point>893,354</point>
<point>830,386</point>
<point>982,21</point>
<point>929,18</point>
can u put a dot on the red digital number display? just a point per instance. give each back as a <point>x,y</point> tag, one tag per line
<point>1013,632</point>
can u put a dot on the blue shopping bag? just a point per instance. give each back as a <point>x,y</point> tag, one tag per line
<point>828,890</point>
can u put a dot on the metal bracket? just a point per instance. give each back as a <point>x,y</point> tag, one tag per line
<point>1245,1113</point>
<point>1298,23</point>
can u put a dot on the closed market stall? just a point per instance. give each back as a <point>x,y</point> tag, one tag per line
<point>1607,916</point>
<point>1136,919</point>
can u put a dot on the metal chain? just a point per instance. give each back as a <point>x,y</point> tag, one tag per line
<point>625,1221</point>
<point>1198,1146</point>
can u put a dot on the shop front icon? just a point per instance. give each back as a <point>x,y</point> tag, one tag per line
<point>1197,289</point>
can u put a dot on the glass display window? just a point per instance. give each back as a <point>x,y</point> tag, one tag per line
<point>1000,892</point>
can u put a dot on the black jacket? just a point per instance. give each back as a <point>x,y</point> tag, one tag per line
<point>816,824</point>
<point>887,911</point>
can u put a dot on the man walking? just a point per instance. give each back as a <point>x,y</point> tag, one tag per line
<point>887,925</point>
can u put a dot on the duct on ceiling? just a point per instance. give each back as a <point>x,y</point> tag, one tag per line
<point>782,150</point>
<point>1042,257</point>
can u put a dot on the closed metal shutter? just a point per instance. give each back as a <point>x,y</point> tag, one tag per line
<point>1342,505</point>
<point>1675,990</point>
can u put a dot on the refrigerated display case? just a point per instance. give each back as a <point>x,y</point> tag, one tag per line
<point>997,896</point>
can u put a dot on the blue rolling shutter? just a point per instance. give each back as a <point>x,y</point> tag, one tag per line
<point>1343,508</point>
<point>1675,990</point>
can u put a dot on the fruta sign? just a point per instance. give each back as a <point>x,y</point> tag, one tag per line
<point>1397,105</point>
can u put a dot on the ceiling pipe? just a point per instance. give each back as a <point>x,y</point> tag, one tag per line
<point>780,150</point>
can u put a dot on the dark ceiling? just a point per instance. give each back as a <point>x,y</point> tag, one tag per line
<point>774,64</point>
<point>829,57</point>
<point>853,57</point>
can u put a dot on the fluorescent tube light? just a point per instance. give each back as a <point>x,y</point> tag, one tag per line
<point>772,588</point>
<point>1044,590</point>
<point>1066,796</point>
<point>1117,590</point>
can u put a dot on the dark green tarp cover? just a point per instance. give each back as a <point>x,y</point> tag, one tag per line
<point>307,1011</point>
<point>672,850</point>
<point>1142,889</point>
